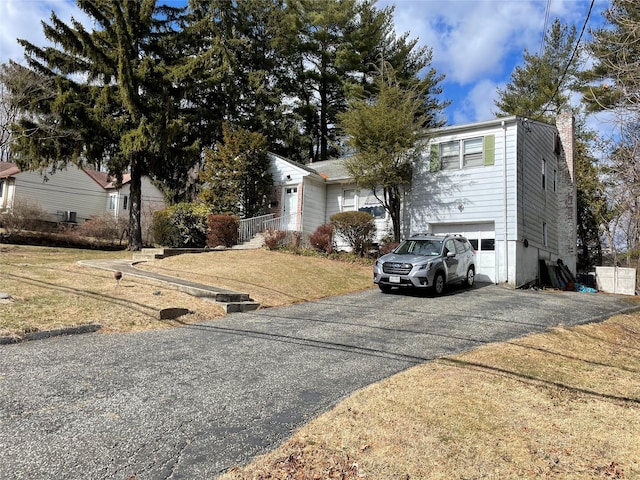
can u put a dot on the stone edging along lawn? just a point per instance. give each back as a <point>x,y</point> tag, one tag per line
<point>88,328</point>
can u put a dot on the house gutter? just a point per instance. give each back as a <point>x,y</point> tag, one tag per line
<point>506,200</point>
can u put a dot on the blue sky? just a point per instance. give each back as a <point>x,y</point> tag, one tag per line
<point>475,43</point>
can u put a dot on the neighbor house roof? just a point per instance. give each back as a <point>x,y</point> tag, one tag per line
<point>105,180</point>
<point>9,169</point>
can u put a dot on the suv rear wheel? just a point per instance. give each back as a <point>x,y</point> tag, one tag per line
<point>470,278</point>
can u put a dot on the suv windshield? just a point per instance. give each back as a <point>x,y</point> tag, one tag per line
<point>420,247</point>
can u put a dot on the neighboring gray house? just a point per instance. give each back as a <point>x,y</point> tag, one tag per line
<point>73,194</point>
<point>506,184</point>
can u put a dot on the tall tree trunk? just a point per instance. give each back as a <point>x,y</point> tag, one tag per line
<point>324,107</point>
<point>135,212</point>
<point>393,201</point>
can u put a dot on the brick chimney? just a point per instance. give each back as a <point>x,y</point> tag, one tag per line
<point>566,191</point>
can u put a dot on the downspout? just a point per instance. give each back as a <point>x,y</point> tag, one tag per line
<point>506,201</point>
<point>300,209</point>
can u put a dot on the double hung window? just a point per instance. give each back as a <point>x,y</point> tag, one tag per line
<point>348,200</point>
<point>462,153</point>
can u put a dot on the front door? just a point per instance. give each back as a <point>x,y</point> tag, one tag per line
<point>290,209</point>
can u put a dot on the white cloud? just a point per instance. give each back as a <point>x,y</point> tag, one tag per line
<point>471,38</point>
<point>22,19</point>
<point>477,43</point>
<point>477,104</point>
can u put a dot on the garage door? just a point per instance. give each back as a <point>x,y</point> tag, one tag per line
<point>483,238</point>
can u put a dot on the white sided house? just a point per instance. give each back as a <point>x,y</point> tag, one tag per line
<point>507,184</point>
<point>72,194</point>
<point>306,196</point>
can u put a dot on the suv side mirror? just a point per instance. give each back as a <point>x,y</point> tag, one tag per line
<point>451,254</point>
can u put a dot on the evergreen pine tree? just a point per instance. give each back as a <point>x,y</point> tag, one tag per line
<point>116,93</point>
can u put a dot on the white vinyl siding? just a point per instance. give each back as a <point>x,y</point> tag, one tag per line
<point>66,190</point>
<point>537,203</point>
<point>464,195</point>
<point>313,204</point>
<point>71,193</point>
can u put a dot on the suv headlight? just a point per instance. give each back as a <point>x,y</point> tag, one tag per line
<point>426,266</point>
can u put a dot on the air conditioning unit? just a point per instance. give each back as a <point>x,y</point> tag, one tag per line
<point>70,216</point>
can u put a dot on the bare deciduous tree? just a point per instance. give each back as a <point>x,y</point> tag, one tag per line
<point>614,86</point>
<point>19,87</point>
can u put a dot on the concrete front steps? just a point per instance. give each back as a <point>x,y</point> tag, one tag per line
<point>231,301</point>
<point>254,243</point>
<point>148,254</point>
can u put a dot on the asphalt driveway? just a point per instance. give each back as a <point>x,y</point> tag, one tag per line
<point>192,402</point>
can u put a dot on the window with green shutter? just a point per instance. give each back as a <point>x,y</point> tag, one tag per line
<point>468,152</point>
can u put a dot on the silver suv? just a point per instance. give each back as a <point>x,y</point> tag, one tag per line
<point>427,261</point>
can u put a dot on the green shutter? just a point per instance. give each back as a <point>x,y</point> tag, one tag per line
<point>490,150</point>
<point>434,158</point>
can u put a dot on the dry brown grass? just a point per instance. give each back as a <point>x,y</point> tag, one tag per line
<point>272,278</point>
<point>563,404</point>
<point>49,290</point>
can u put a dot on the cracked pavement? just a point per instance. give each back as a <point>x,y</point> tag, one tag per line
<point>191,402</point>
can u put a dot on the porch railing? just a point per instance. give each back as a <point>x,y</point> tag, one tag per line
<point>282,223</point>
<point>249,227</point>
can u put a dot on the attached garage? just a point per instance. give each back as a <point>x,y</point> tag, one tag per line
<point>483,238</point>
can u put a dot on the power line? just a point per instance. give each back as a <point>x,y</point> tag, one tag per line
<point>566,68</point>
<point>544,28</point>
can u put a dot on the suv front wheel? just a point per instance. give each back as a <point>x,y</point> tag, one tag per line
<point>438,283</point>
